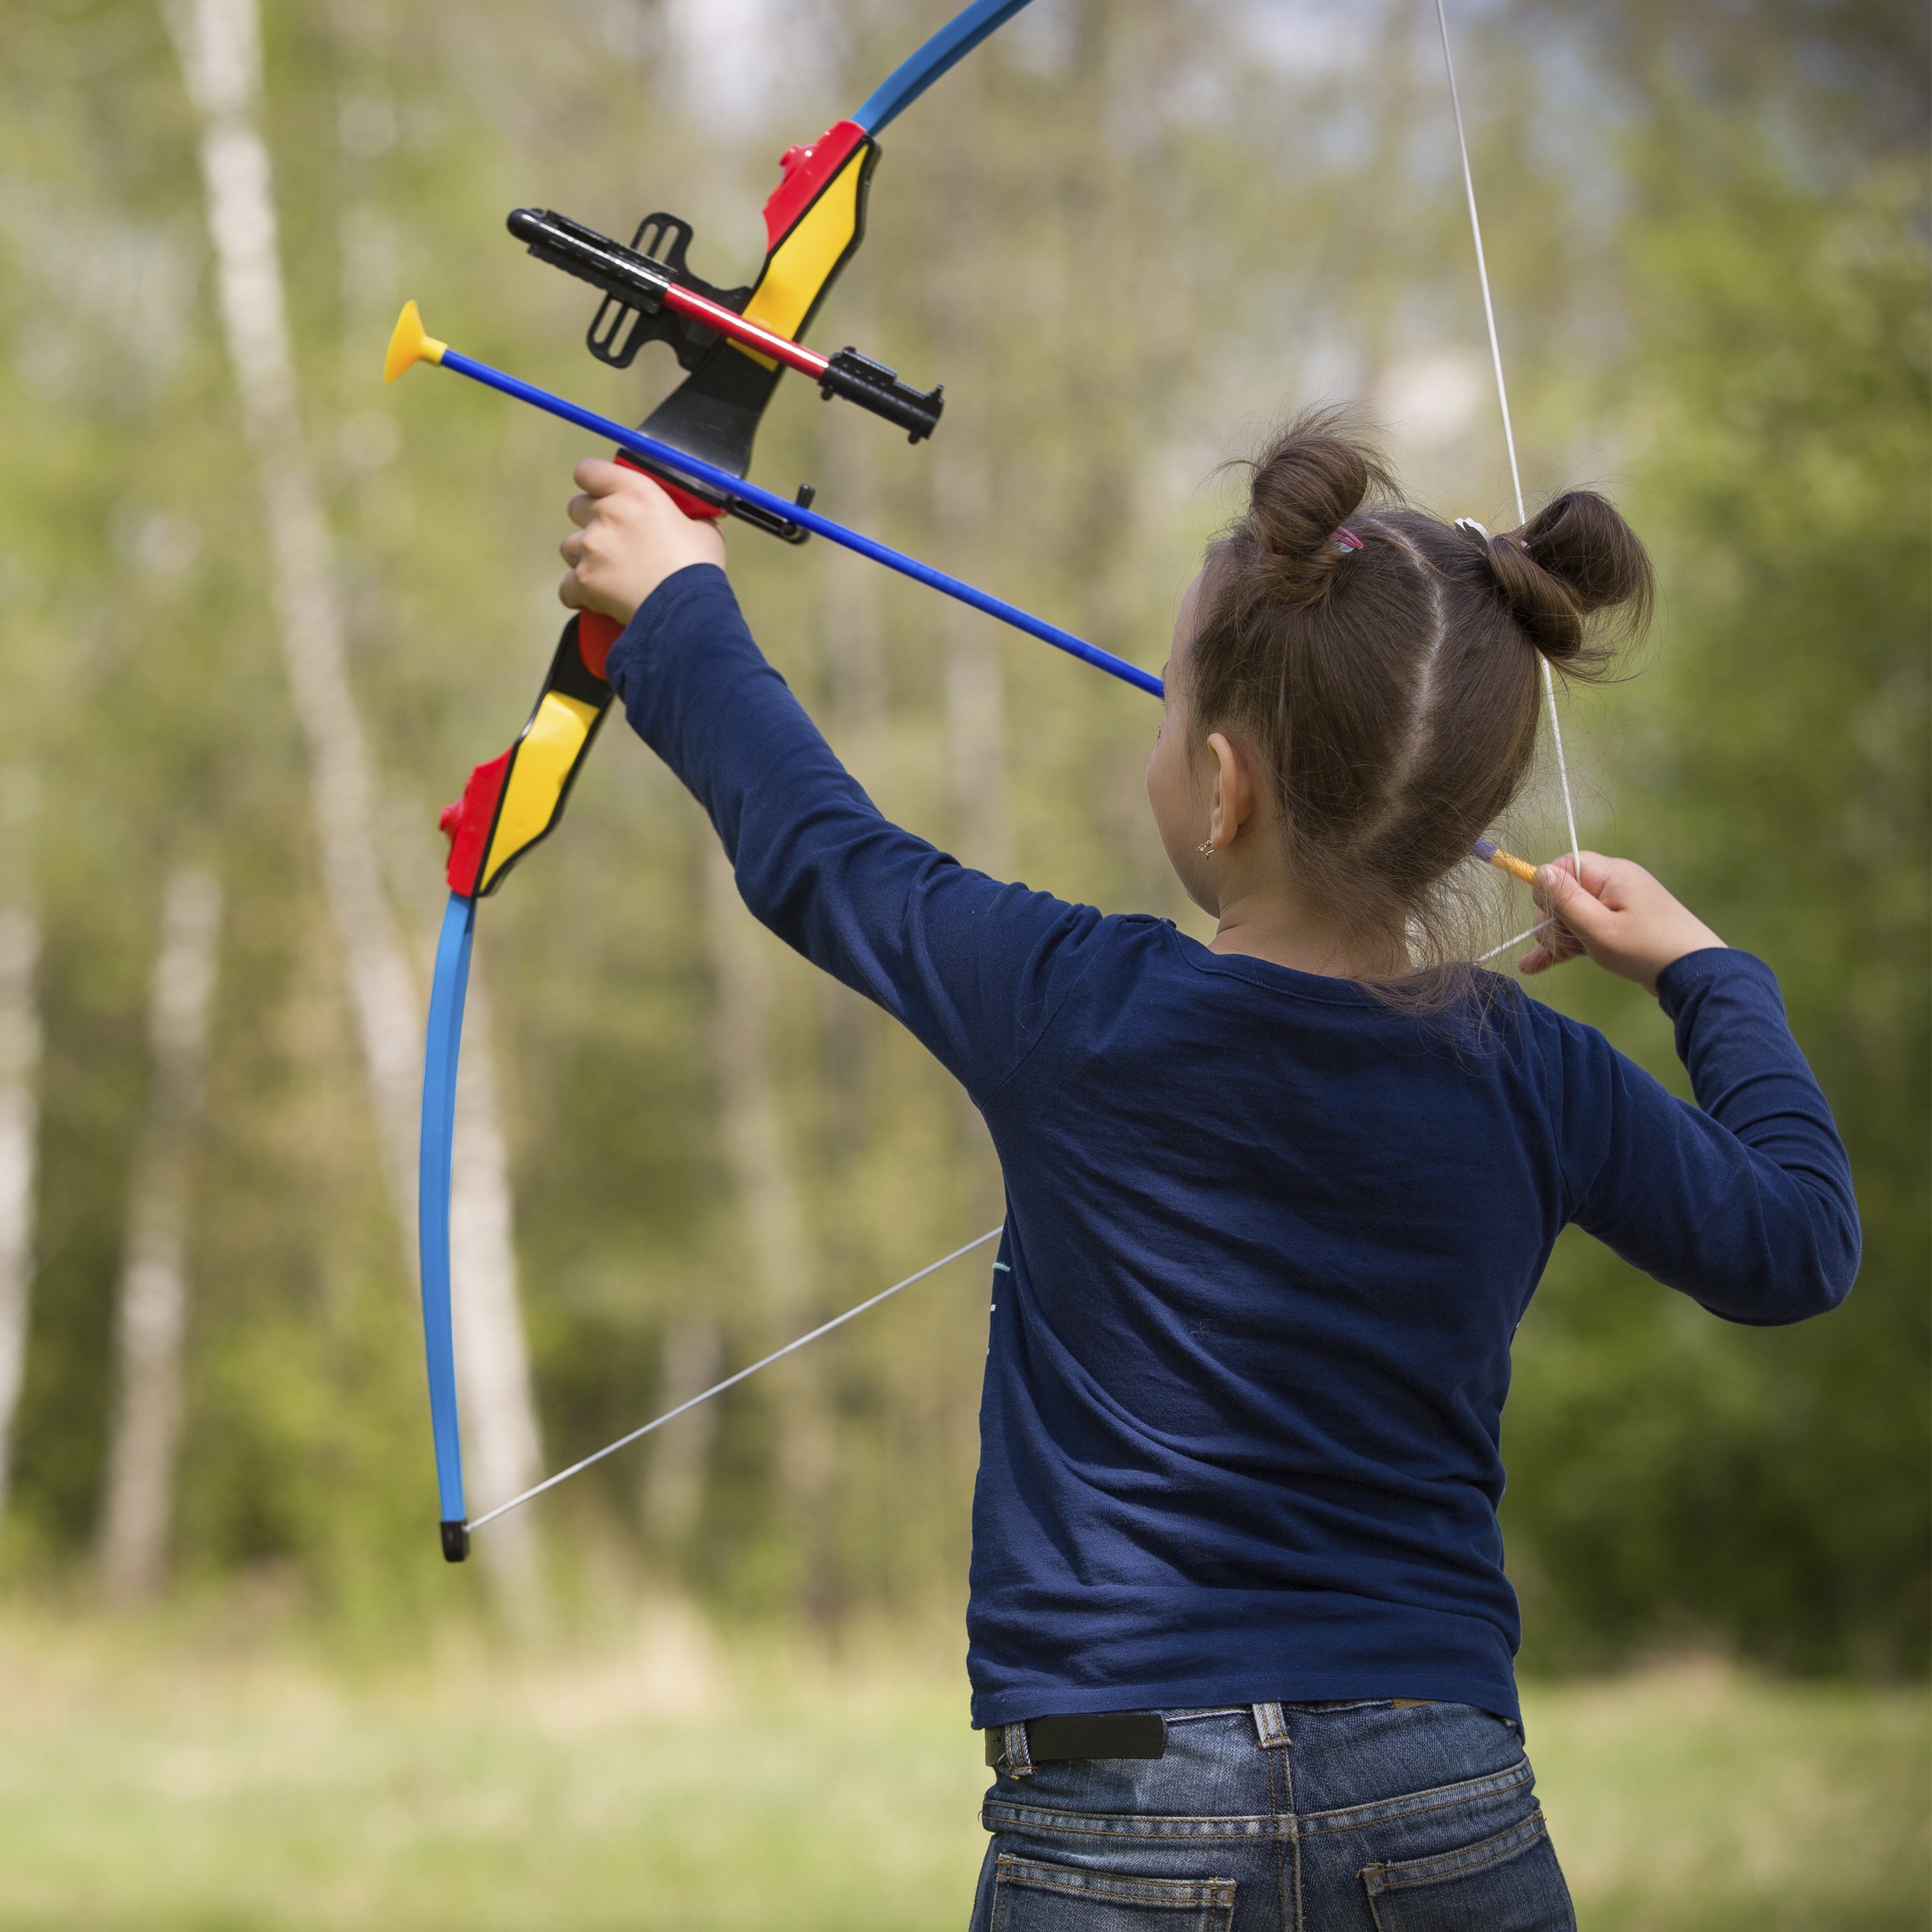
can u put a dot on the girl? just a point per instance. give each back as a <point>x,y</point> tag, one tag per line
<point>1240,1640</point>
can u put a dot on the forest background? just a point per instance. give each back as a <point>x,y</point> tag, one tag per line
<point>1129,238</point>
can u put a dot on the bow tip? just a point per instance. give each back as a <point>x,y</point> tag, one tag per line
<point>456,1542</point>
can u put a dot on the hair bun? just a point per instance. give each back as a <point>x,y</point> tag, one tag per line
<point>1573,557</point>
<point>1309,480</point>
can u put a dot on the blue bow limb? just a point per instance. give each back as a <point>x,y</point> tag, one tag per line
<point>446,992</point>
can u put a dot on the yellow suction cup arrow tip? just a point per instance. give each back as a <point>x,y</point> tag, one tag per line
<point>410,345</point>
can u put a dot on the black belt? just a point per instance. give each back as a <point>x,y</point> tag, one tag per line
<point>1097,1734</point>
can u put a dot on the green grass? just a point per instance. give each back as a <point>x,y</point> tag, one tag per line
<point>1693,1800</point>
<point>181,1783</point>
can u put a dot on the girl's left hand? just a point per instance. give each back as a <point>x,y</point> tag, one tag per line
<point>1619,915</point>
<point>629,538</point>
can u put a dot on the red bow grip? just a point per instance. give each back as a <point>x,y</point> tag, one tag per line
<point>596,633</point>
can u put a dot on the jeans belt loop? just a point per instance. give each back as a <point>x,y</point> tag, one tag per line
<point>1019,1759</point>
<point>1270,1727</point>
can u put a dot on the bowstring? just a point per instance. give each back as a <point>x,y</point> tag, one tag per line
<point>1529,932</point>
<point>730,1381</point>
<point>1502,398</point>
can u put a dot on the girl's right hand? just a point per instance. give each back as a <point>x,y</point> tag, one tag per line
<point>1618,915</point>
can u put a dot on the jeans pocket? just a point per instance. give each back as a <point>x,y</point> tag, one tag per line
<point>1510,1882</point>
<point>1031,1895</point>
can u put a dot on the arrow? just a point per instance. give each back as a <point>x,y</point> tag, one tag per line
<point>410,345</point>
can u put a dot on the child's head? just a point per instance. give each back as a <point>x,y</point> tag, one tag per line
<point>1372,674</point>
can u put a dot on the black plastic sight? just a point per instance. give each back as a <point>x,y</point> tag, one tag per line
<point>632,313</point>
<point>873,387</point>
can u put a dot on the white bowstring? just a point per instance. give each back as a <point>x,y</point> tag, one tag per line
<point>1529,932</point>
<point>1502,397</point>
<point>838,1321</point>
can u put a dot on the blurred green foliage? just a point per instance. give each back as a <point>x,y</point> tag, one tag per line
<point>1764,1489</point>
<point>1127,237</point>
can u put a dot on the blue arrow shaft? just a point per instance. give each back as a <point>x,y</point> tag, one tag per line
<point>709,473</point>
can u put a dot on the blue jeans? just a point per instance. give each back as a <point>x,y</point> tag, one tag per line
<point>1359,1816</point>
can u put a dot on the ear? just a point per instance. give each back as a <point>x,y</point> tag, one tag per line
<point>1231,791</point>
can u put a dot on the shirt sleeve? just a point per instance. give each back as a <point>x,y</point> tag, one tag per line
<point>1744,1201</point>
<point>974,968</point>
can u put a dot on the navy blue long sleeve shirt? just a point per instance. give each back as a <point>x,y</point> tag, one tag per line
<point>1267,1238</point>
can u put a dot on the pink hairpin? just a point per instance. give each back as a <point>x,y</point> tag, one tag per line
<point>1341,536</point>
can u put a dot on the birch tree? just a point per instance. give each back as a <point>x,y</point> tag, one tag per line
<point>151,1303</point>
<point>962,501</point>
<point>218,45</point>
<point>19,1114</point>
<point>771,1214</point>
<point>673,1475</point>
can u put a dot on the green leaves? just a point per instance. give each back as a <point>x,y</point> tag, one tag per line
<point>1672,1479</point>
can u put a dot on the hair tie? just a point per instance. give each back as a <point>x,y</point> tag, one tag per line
<point>1342,537</point>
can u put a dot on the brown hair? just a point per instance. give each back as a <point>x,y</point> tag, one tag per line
<point>1392,690</point>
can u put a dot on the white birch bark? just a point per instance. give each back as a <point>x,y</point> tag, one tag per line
<point>962,504</point>
<point>769,1212</point>
<point>855,645</point>
<point>151,1304</point>
<point>674,1473</point>
<point>218,42</point>
<point>19,1137</point>
<point>975,686</point>
<point>504,1450</point>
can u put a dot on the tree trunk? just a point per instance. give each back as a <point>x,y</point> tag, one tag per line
<point>19,1131</point>
<point>674,1473</point>
<point>975,686</point>
<point>152,1314</point>
<point>492,1364</point>
<point>962,499</point>
<point>858,699</point>
<point>218,42</point>
<point>770,1213</point>
<point>855,646</point>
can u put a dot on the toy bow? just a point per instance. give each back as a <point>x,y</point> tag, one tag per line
<point>735,344</point>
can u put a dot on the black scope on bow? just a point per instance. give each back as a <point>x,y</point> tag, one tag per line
<point>650,296</point>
